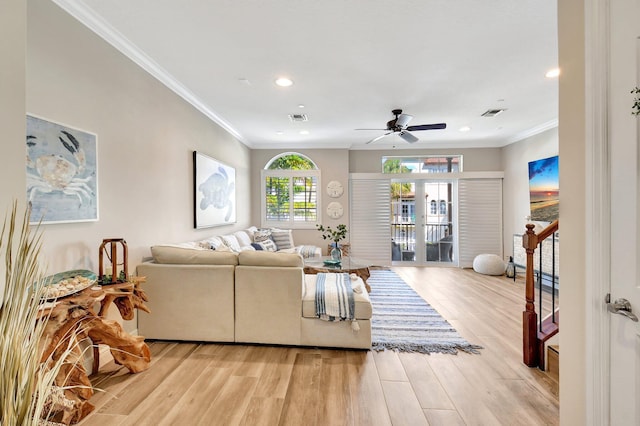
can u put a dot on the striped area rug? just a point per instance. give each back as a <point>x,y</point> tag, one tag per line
<point>404,322</point>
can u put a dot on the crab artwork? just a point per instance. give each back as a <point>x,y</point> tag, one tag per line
<point>55,173</point>
<point>216,192</point>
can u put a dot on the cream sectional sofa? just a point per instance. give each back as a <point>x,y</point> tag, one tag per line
<point>198,294</point>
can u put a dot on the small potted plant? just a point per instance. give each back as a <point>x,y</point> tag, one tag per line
<point>335,235</point>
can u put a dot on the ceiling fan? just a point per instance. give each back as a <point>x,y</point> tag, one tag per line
<point>399,125</point>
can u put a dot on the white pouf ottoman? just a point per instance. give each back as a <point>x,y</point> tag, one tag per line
<point>489,264</point>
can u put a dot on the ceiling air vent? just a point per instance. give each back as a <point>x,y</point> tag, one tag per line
<point>298,117</point>
<point>492,112</point>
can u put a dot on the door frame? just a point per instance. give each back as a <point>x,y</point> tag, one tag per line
<point>598,215</point>
<point>419,183</point>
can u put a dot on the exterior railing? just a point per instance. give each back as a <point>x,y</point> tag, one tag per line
<point>438,246</point>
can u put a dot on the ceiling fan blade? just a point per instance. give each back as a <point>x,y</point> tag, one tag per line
<point>378,138</point>
<point>380,130</point>
<point>408,136</point>
<point>436,126</point>
<point>403,120</point>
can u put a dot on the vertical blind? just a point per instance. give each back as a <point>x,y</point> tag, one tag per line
<point>479,219</point>
<point>370,231</point>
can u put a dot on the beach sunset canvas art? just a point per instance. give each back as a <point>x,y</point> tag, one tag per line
<point>544,189</point>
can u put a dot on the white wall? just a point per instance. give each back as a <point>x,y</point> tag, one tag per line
<point>146,136</point>
<point>515,164</point>
<point>13,30</point>
<point>571,47</point>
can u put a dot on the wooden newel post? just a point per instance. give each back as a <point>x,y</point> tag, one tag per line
<point>113,257</point>
<point>529,316</point>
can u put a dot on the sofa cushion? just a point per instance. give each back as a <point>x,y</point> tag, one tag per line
<point>265,258</point>
<point>361,300</point>
<point>180,255</point>
<point>282,238</point>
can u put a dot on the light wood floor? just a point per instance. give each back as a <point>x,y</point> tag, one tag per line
<point>213,384</point>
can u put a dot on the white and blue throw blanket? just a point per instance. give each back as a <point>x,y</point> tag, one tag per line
<point>334,298</point>
<point>307,252</point>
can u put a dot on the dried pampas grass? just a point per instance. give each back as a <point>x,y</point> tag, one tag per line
<point>26,384</point>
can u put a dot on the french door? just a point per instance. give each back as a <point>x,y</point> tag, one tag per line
<point>422,221</point>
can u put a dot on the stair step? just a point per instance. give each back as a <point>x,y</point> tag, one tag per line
<point>553,362</point>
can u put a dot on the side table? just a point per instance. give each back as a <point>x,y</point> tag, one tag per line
<point>350,265</point>
<point>72,319</point>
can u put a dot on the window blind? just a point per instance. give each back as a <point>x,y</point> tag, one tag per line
<point>370,231</point>
<point>479,219</point>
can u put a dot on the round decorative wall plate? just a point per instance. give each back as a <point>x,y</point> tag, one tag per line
<point>335,210</point>
<point>335,189</point>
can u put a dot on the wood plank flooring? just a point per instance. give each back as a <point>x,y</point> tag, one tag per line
<point>215,384</point>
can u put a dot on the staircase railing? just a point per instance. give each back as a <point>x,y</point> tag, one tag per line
<point>535,329</point>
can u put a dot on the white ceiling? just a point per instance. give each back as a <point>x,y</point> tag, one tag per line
<point>352,62</point>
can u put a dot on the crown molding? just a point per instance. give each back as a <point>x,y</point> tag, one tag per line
<point>532,131</point>
<point>103,29</point>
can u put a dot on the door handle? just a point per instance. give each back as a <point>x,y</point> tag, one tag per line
<point>622,307</point>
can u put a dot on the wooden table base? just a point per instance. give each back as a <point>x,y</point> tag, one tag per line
<point>71,321</point>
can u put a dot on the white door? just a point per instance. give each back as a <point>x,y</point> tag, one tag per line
<point>624,386</point>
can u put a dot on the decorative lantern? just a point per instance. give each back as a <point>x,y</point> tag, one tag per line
<point>511,269</point>
<point>119,271</point>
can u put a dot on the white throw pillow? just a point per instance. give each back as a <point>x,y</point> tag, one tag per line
<point>283,238</point>
<point>243,238</point>
<point>232,242</point>
<point>250,231</point>
<point>215,243</point>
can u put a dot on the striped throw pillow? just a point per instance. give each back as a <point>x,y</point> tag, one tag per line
<point>282,238</point>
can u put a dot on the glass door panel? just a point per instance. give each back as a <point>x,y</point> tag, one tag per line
<point>403,221</point>
<point>438,224</point>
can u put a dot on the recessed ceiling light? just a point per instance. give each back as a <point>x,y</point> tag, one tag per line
<point>279,132</point>
<point>553,73</point>
<point>301,106</point>
<point>284,82</point>
<point>464,129</point>
<point>304,132</point>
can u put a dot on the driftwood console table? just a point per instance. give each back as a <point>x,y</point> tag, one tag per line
<point>72,319</point>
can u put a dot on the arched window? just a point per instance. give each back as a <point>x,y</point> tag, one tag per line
<point>433,207</point>
<point>443,207</point>
<point>290,184</point>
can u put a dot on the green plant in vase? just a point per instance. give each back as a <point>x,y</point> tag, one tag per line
<point>336,235</point>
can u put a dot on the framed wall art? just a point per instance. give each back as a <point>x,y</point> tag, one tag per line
<point>62,172</point>
<point>544,189</point>
<point>214,192</point>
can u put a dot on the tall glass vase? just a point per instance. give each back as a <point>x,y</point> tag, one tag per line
<point>336,253</point>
